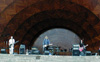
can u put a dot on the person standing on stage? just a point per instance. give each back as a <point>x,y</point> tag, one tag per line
<point>82,48</point>
<point>46,43</point>
<point>99,50</point>
<point>11,45</point>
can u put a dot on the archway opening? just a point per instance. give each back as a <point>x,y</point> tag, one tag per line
<point>60,37</point>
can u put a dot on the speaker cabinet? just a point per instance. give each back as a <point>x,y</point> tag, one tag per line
<point>75,52</point>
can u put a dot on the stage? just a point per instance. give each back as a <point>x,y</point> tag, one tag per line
<point>47,58</point>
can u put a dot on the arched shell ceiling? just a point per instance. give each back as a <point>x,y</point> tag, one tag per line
<point>27,19</point>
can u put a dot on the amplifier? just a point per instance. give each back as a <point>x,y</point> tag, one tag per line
<point>75,52</point>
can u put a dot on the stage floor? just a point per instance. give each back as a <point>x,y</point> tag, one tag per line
<point>47,58</point>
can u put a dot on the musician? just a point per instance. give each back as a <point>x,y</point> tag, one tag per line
<point>99,50</point>
<point>46,43</point>
<point>11,45</point>
<point>82,48</point>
